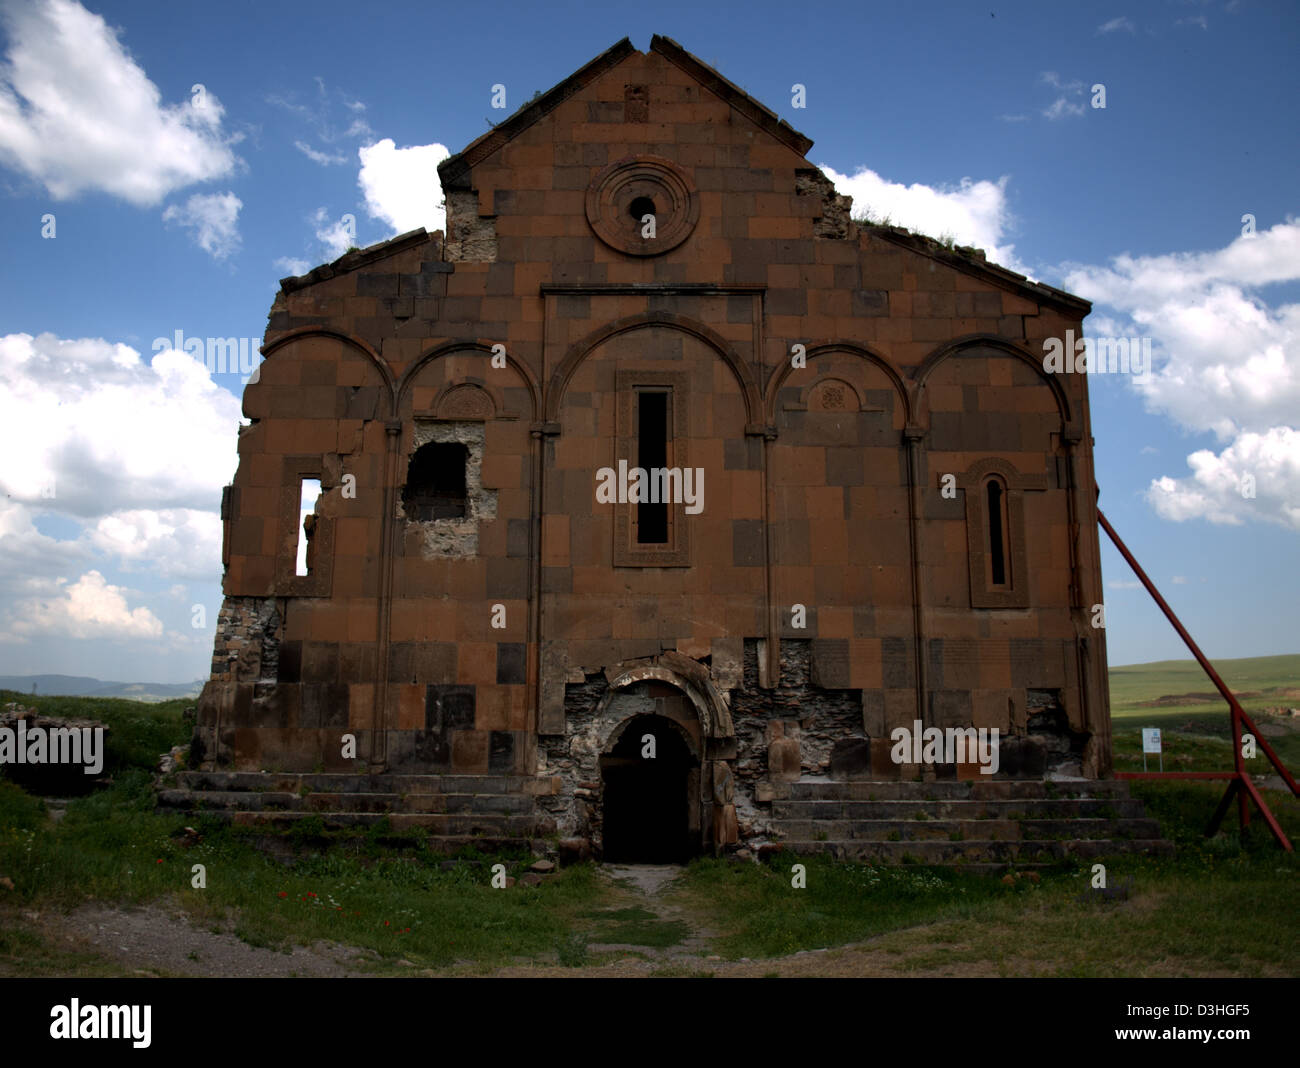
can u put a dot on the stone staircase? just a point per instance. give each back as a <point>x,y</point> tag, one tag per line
<point>976,824</point>
<point>487,811</point>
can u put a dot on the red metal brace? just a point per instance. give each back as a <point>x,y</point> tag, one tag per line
<point>1240,785</point>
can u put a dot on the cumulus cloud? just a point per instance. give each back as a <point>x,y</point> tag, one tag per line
<point>179,543</point>
<point>212,218</point>
<point>98,430</point>
<point>971,212</point>
<point>87,608</point>
<point>78,114</point>
<point>401,186</point>
<point>1227,363</point>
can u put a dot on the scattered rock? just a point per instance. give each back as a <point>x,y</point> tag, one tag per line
<point>530,879</point>
<point>173,760</point>
<point>542,867</point>
<point>574,850</point>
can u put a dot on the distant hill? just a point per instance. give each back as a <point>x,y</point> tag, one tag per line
<point>1259,682</point>
<point>83,686</point>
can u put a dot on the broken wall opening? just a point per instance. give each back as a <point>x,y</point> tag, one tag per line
<point>443,496</point>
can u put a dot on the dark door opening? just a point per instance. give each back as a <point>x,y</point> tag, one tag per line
<point>647,802</point>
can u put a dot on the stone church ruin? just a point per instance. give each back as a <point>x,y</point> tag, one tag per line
<point>889,520</point>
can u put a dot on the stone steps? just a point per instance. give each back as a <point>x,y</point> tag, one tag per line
<point>962,822</point>
<point>977,830</point>
<point>336,782</point>
<point>973,790</point>
<point>979,854</point>
<point>1119,808</point>
<point>487,811</point>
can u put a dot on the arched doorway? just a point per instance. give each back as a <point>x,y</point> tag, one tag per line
<point>650,804</point>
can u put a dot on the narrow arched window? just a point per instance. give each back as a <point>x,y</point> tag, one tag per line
<point>997,528</point>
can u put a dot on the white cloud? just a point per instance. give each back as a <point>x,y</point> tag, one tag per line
<point>174,542</point>
<point>319,114</point>
<point>1218,489</point>
<point>78,114</point>
<point>214,220</point>
<point>1067,102</point>
<point>323,158</point>
<point>1194,20</point>
<point>1121,23</point>
<point>110,432</point>
<point>1062,106</point>
<point>401,185</point>
<point>337,235</point>
<point>87,608</point>
<point>1124,584</point>
<point>291,266</point>
<point>972,213</point>
<point>26,553</point>
<point>1227,363</point>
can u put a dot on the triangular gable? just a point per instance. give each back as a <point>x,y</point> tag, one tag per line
<point>454,171</point>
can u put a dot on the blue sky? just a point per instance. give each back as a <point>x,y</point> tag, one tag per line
<point>193,154</point>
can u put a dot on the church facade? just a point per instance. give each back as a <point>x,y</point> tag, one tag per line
<point>656,486</point>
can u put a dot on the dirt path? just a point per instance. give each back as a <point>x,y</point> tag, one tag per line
<point>157,941</point>
<point>663,938</point>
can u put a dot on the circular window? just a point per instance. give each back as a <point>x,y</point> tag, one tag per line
<point>624,193</point>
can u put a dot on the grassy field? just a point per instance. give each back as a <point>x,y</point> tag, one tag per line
<point>1177,697</point>
<point>1220,907</point>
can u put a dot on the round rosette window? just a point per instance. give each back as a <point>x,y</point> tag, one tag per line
<point>643,205</point>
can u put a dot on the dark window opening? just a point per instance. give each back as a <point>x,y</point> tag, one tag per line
<point>640,208</point>
<point>652,452</point>
<point>435,482</point>
<point>997,546</point>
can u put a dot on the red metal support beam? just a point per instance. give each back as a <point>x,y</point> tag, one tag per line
<point>1241,785</point>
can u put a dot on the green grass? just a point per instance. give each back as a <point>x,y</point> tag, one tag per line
<point>1221,906</point>
<point>1194,723</point>
<point>138,733</point>
<point>1268,676</point>
<point>635,927</point>
<point>111,846</point>
<point>1217,907</point>
<point>386,892</point>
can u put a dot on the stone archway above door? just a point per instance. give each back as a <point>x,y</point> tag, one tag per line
<point>683,673</point>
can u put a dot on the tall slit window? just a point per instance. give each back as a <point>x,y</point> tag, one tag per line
<point>652,452</point>
<point>998,559</point>
<point>309,491</point>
